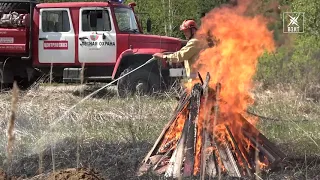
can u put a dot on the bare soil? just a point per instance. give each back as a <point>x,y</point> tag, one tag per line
<point>71,173</point>
<point>3,175</point>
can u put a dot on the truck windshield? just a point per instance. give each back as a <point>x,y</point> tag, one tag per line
<point>126,20</point>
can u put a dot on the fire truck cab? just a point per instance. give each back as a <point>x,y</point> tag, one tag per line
<point>104,38</point>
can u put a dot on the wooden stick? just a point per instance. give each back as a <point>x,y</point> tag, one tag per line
<point>248,127</point>
<point>212,166</point>
<point>228,160</point>
<point>204,155</point>
<point>175,164</point>
<point>273,154</point>
<point>238,151</point>
<point>236,170</point>
<point>161,159</point>
<point>191,134</point>
<point>205,135</point>
<point>181,107</point>
<point>271,157</point>
<point>216,106</point>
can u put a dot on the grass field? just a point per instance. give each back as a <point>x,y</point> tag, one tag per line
<point>113,135</point>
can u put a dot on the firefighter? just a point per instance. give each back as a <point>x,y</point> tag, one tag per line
<point>187,54</point>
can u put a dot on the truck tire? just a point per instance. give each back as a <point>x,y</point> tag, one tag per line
<point>140,82</point>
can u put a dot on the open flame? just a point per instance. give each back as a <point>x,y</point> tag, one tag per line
<point>232,62</point>
<point>210,131</point>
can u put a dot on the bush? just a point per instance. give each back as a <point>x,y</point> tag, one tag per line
<point>297,64</point>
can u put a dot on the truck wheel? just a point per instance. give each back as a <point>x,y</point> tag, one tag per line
<point>140,82</point>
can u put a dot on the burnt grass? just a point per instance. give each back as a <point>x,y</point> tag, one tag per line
<point>112,136</point>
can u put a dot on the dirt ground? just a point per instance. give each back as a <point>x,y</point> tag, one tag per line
<point>71,173</point>
<point>3,175</point>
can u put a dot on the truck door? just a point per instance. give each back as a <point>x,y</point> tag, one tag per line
<point>56,36</point>
<point>97,43</point>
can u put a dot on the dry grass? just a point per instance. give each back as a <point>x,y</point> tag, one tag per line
<point>113,135</point>
<point>11,124</point>
<point>295,119</point>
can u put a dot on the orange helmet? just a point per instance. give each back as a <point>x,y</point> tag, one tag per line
<point>187,24</point>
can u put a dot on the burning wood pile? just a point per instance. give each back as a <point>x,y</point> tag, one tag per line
<point>201,141</point>
<point>210,133</point>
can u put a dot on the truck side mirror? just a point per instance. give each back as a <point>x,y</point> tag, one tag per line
<point>93,19</point>
<point>148,25</point>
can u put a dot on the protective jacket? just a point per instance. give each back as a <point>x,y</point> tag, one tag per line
<point>187,54</point>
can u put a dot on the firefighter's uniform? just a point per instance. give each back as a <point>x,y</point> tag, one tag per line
<point>187,54</point>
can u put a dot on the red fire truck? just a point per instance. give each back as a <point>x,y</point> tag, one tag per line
<point>105,38</point>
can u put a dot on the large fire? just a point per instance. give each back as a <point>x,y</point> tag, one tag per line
<point>213,120</point>
<point>231,62</point>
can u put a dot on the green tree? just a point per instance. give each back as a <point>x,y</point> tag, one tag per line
<point>296,62</point>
